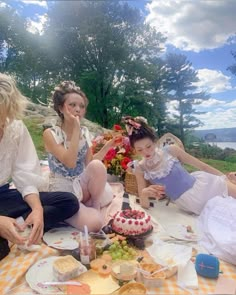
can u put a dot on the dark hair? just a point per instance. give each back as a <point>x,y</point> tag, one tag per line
<point>60,91</point>
<point>139,129</point>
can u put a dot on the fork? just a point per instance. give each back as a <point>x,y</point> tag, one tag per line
<point>62,283</point>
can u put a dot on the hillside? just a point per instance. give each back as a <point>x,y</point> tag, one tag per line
<point>217,135</point>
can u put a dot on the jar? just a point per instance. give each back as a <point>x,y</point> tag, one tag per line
<point>87,250</point>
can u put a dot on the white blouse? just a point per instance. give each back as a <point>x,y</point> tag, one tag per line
<point>19,160</point>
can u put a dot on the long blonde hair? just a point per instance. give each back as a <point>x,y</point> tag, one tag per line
<point>12,102</point>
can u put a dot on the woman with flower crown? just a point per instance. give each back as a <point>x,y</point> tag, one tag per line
<point>163,169</point>
<point>73,167</point>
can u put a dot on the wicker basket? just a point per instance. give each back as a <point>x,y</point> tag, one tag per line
<point>131,186</point>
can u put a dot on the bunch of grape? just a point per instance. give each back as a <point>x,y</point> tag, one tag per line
<point>120,250</point>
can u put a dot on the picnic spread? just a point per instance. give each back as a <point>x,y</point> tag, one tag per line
<point>155,254</point>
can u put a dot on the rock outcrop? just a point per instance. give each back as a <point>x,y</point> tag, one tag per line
<point>48,117</point>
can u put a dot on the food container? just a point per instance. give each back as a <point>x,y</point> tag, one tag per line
<point>132,289</point>
<point>150,280</point>
<point>124,270</point>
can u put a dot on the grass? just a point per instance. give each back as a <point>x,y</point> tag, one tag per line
<point>36,130</point>
<point>223,166</point>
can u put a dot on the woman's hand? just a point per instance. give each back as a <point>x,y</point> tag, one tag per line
<point>8,230</point>
<point>35,219</point>
<point>117,140</point>
<point>75,120</point>
<point>154,191</point>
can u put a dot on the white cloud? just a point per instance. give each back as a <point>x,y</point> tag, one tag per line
<point>212,102</point>
<point>223,118</point>
<point>213,81</point>
<point>36,26</point>
<point>194,25</point>
<point>41,3</point>
<point>218,113</point>
<point>3,4</point>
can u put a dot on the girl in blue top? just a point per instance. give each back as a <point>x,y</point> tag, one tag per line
<point>73,167</point>
<point>163,169</point>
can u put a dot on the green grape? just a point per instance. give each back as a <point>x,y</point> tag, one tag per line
<point>126,248</point>
<point>125,257</point>
<point>112,247</point>
<point>123,243</point>
<point>117,243</point>
<point>130,250</point>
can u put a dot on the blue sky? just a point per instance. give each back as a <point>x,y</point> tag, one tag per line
<point>203,30</point>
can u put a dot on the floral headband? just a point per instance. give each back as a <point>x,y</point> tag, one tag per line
<point>131,125</point>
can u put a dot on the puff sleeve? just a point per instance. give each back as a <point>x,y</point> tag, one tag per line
<point>26,172</point>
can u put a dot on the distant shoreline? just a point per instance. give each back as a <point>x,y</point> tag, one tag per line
<point>223,144</point>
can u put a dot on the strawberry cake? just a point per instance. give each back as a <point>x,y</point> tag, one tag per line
<point>131,222</point>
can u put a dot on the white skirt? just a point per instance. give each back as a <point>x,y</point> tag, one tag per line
<point>206,187</point>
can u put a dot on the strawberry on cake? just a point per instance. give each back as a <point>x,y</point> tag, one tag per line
<point>131,222</point>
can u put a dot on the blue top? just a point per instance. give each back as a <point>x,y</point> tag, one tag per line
<point>56,166</point>
<point>165,169</point>
<point>177,182</point>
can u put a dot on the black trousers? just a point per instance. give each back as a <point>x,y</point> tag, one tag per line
<point>57,206</point>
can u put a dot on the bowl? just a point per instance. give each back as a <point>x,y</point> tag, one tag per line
<point>124,270</point>
<point>132,289</point>
<point>151,280</point>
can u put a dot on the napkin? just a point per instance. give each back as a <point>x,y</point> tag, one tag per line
<point>187,276</point>
<point>169,254</point>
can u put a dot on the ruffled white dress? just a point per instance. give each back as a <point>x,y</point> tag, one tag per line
<point>196,187</point>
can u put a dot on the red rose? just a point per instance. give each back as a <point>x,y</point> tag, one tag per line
<point>117,127</point>
<point>124,162</point>
<point>110,154</point>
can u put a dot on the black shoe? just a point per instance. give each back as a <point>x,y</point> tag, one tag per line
<point>4,248</point>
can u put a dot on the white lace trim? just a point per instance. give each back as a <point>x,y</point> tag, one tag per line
<point>162,169</point>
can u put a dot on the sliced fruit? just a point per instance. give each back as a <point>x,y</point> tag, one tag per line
<point>106,257</point>
<point>104,270</point>
<point>96,263</point>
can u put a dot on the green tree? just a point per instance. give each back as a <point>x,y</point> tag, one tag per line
<point>181,88</point>
<point>103,46</point>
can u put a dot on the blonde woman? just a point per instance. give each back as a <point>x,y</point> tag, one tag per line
<point>19,162</point>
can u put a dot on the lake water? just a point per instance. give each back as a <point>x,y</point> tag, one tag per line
<point>224,145</point>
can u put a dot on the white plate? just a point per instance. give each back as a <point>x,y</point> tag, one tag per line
<point>63,238</point>
<point>179,232</point>
<point>41,272</point>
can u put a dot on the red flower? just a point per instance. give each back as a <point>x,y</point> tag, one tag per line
<point>124,162</point>
<point>117,127</point>
<point>110,154</point>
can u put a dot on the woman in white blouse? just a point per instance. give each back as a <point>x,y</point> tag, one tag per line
<point>19,162</point>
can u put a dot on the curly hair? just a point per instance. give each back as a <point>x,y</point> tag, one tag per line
<point>12,102</point>
<point>138,129</point>
<point>60,92</point>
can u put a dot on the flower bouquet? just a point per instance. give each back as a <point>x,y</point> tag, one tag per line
<point>117,157</point>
